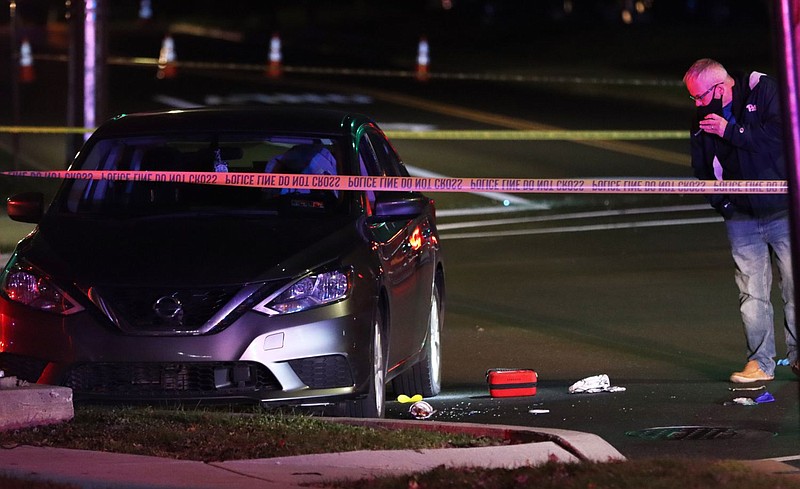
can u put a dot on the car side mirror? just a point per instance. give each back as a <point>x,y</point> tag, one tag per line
<point>26,207</point>
<point>395,205</point>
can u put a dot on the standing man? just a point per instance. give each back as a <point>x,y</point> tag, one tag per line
<point>739,136</point>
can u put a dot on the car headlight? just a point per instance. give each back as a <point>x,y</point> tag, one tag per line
<point>26,285</point>
<point>308,292</point>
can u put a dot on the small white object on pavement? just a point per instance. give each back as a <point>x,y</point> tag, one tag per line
<point>596,383</point>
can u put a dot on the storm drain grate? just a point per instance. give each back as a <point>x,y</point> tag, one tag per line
<point>691,433</point>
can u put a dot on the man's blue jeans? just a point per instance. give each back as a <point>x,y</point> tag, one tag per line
<point>754,243</point>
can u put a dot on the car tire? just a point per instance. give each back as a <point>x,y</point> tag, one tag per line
<point>374,403</point>
<point>425,377</point>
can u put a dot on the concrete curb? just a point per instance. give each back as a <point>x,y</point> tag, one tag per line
<point>33,404</point>
<point>532,447</point>
<point>582,446</point>
<point>88,469</point>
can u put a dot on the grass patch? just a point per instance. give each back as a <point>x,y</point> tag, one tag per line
<point>632,474</point>
<point>10,233</point>
<point>216,436</point>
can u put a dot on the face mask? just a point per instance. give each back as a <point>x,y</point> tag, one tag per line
<point>713,107</point>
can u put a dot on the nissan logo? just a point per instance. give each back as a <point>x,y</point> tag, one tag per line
<point>169,307</point>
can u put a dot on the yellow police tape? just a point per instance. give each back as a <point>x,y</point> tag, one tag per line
<point>539,135</point>
<point>326,71</point>
<point>44,130</point>
<point>428,184</point>
<point>498,135</point>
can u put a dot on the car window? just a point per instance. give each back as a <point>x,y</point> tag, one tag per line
<point>387,156</point>
<point>378,158</point>
<point>224,155</point>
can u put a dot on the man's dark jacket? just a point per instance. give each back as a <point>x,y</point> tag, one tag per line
<point>756,141</point>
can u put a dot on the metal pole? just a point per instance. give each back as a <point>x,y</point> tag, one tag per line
<point>101,53</point>
<point>94,62</point>
<point>15,102</point>
<point>90,64</point>
<point>74,76</point>
<point>788,20</point>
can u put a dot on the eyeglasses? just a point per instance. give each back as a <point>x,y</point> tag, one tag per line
<point>703,95</point>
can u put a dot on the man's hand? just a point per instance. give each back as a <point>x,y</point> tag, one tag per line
<point>714,124</point>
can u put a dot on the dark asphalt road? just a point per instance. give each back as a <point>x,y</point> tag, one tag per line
<point>625,419</point>
<point>653,308</point>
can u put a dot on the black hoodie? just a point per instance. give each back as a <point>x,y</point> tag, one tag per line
<point>751,148</point>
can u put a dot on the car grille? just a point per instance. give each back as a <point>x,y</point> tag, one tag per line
<point>135,310</point>
<point>323,372</point>
<point>22,367</point>
<point>170,380</point>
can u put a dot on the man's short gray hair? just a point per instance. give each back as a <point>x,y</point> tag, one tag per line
<point>705,67</point>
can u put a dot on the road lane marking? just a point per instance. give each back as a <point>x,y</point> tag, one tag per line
<point>784,459</point>
<point>476,211</point>
<point>570,216</point>
<point>579,229</point>
<point>499,196</point>
<point>175,102</point>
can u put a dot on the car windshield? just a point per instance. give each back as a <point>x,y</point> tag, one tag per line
<point>223,154</point>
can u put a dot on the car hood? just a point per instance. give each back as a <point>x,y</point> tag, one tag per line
<point>195,251</point>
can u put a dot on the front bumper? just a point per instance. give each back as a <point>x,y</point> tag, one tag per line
<point>313,357</point>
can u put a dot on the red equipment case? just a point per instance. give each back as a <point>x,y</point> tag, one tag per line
<point>511,382</point>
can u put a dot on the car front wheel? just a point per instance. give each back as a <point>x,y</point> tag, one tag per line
<point>373,404</point>
<point>425,377</point>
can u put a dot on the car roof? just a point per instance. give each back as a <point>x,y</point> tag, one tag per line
<point>299,120</point>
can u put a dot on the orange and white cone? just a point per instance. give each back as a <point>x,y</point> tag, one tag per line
<point>275,67</point>
<point>166,59</point>
<point>26,72</point>
<point>423,59</point>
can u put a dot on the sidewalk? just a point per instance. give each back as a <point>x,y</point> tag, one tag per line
<point>110,470</point>
<point>99,470</point>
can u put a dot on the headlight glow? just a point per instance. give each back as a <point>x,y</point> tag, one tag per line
<point>309,292</point>
<point>30,287</point>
